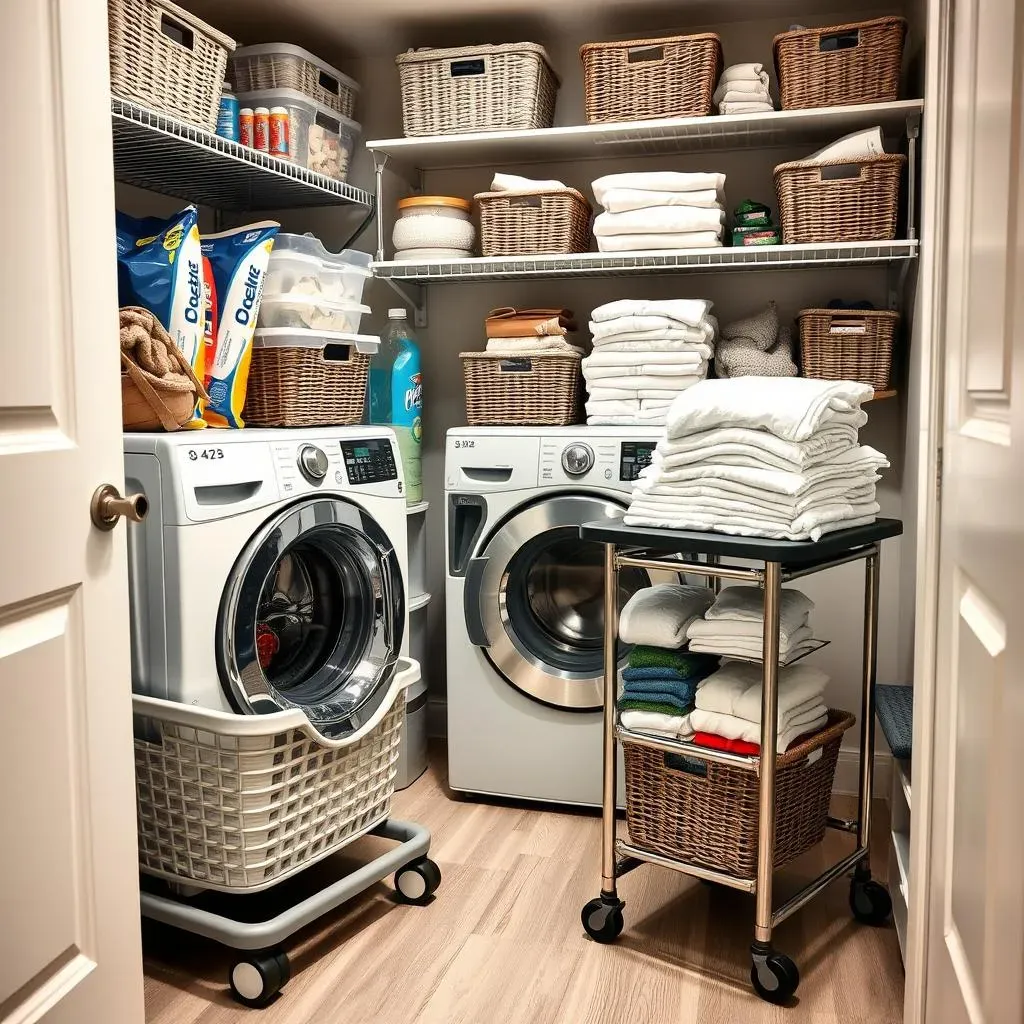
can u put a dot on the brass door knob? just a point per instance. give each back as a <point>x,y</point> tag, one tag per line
<point>108,506</point>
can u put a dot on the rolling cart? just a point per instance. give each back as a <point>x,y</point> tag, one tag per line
<point>774,975</point>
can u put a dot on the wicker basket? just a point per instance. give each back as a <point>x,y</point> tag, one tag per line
<point>839,200</point>
<point>840,65</point>
<point>533,222</point>
<point>477,89</point>
<point>848,344</point>
<point>284,66</point>
<point>647,78</point>
<point>541,390</point>
<point>167,59</point>
<point>705,813</point>
<point>306,387</point>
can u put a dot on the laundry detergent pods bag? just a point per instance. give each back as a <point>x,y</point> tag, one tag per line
<point>159,267</point>
<point>238,260</point>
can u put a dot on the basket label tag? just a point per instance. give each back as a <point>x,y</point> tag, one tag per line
<point>515,365</point>
<point>466,68</point>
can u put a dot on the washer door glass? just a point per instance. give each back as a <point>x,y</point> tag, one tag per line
<point>312,617</point>
<point>540,601</point>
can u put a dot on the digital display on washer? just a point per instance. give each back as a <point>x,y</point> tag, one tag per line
<point>369,461</point>
<point>633,456</point>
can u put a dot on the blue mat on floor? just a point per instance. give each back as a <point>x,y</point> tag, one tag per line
<point>895,708</point>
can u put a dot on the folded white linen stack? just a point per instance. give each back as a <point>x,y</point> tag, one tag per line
<point>773,457</point>
<point>743,89</point>
<point>645,353</point>
<point>729,703</point>
<point>659,210</point>
<point>734,625</point>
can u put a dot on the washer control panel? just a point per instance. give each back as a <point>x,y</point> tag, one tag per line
<point>369,461</point>
<point>577,459</point>
<point>633,457</point>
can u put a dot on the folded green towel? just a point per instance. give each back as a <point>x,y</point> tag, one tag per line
<point>685,663</point>
<point>631,704</point>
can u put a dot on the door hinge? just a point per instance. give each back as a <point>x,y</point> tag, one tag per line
<point>938,474</point>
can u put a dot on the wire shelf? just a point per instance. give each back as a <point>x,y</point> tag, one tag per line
<point>159,153</point>
<point>819,644</point>
<point>596,264</point>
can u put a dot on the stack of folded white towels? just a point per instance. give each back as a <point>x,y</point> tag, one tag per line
<point>728,712</point>
<point>659,210</point>
<point>734,625</point>
<point>743,89</point>
<point>645,353</point>
<point>771,457</point>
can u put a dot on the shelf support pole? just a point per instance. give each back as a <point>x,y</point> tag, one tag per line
<point>913,133</point>
<point>380,161</point>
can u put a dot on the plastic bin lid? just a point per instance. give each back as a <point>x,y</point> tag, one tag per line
<point>291,50</point>
<point>320,301</point>
<point>300,337</point>
<point>310,246</point>
<point>294,98</point>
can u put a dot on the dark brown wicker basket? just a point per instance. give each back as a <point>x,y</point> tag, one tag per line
<point>848,344</point>
<point>306,387</point>
<point>840,65</point>
<point>648,78</point>
<point>533,222</point>
<point>705,813</point>
<point>540,390</point>
<point>839,200</point>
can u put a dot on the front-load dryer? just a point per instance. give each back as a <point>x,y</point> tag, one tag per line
<point>524,604</point>
<point>269,571</point>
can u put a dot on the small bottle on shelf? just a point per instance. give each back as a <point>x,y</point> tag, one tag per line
<point>227,115</point>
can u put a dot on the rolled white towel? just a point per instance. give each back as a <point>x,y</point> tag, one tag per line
<point>516,183</point>
<point>744,73</point>
<point>739,87</point>
<point>659,181</point>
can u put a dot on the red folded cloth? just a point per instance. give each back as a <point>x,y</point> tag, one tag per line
<point>709,739</point>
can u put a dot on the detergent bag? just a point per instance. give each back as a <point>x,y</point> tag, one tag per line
<point>159,267</point>
<point>238,260</point>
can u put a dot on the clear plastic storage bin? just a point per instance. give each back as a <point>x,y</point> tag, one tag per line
<point>318,138</point>
<point>311,312</point>
<point>300,266</point>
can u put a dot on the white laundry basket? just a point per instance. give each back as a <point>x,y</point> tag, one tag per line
<point>240,802</point>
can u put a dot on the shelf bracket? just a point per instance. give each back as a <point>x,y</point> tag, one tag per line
<point>380,161</point>
<point>415,298</point>
<point>913,133</point>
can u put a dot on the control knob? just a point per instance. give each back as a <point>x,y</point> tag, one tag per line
<point>578,459</point>
<point>312,463</point>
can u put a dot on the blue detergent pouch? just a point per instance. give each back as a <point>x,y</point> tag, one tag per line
<point>238,259</point>
<point>159,267</point>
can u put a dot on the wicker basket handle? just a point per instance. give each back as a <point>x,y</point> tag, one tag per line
<point>336,353</point>
<point>845,322</point>
<point>841,172</point>
<point>644,56</point>
<point>847,39</point>
<point>329,83</point>
<point>525,203</point>
<point>173,30</point>
<point>470,67</point>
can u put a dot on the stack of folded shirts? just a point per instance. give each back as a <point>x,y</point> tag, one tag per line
<point>728,711</point>
<point>772,457</point>
<point>756,346</point>
<point>734,625</point>
<point>645,354</point>
<point>743,89</point>
<point>530,331</point>
<point>659,210</point>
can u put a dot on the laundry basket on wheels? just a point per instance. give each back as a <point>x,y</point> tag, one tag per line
<point>240,803</point>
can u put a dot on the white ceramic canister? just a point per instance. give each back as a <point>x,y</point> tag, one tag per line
<point>434,222</point>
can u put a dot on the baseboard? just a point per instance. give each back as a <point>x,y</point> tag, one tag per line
<point>437,717</point>
<point>848,773</point>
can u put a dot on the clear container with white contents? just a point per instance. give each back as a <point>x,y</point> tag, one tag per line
<point>310,312</point>
<point>301,267</point>
<point>434,222</point>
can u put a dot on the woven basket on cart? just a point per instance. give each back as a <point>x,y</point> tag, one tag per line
<point>477,89</point>
<point>839,200</point>
<point>284,66</point>
<point>647,78</point>
<point>533,222</point>
<point>306,387</point>
<point>848,344</point>
<point>167,59</point>
<point>541,390</point>
<point>705,813</point>
<point>840,65</point>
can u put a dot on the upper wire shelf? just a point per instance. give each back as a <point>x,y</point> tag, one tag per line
<point>157,152</point>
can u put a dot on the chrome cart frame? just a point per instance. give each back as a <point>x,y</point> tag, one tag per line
<point>773,975</point>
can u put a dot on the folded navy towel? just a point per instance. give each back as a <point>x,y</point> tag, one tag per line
<point>629,697</point>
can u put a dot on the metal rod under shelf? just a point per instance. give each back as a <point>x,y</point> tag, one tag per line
<point>629,851</point>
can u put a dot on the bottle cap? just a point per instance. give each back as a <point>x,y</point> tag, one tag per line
<point>227,87</point>
<point>398,314</point>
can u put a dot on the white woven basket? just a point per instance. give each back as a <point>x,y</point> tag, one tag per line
<point>240,802</point>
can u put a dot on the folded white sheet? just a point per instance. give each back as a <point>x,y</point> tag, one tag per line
<point>661,395</point>
<point>746,107</point>
<point>734,728</point>
<point>628,407</point>
<point>647,382</point>
<point>793,408</point>
<point>648,341</point>
<point>674,727</point>
<point>759,445</point>
<point>638,362</point>
<point>628,326</point>
<point>516,183</point>
<point>735,689</point>
<point>741,87</point>
<point>728,631</point>
<point>746,604</point>
<point>619,200</point>
<point>527,346</point>
<point>653,243</point>
<point>655,420</point>
<point>659,181</point>
<point>660,615</point>
<point>688,312</point>
<point>660,220</point>
<point>744,73</point>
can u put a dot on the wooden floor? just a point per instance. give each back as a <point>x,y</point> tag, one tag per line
<point>502,941</point>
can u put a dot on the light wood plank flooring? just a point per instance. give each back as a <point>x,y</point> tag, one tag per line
<point>502,942</point>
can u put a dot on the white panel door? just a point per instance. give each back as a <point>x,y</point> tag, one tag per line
<point>69,901</point>
<point>975,941</point>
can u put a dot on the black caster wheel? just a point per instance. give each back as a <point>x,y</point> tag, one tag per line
<point>417,882</point>
<point>870,902</point>
<point>257,978</point>
<point>775,977</point>
<point>602,919</point>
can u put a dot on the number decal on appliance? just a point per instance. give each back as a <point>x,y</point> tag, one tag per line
<point>195,454</point>
<point>465,444</point>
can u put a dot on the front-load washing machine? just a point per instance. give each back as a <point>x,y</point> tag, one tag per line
<point>269,571</point>
<point>524,602</point>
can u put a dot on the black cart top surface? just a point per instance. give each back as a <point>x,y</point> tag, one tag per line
<point>696,542</point>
